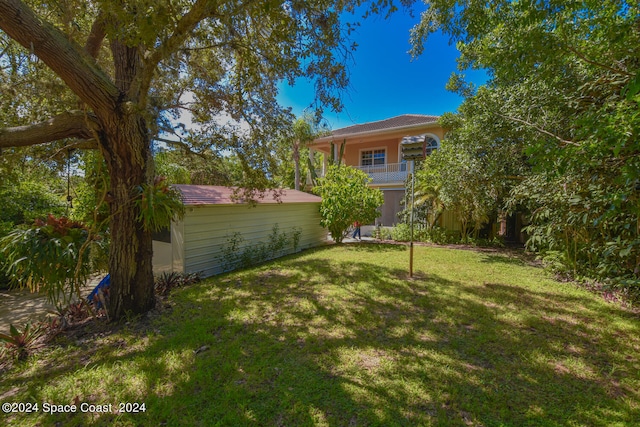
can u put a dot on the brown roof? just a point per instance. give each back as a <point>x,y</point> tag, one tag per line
<point>218,195</point>
<point>399,122</point>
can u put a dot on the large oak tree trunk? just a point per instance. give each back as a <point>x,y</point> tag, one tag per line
<point>127,151</point>
<point>130,164</point>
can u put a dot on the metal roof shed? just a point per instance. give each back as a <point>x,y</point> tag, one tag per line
<point>219,232</point>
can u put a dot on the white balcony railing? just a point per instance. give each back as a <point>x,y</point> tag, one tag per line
<point>383,174</point>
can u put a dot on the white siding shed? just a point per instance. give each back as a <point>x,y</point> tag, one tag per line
<point>219,233</point>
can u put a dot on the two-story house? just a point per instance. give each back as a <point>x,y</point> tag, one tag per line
<point>375,148</point>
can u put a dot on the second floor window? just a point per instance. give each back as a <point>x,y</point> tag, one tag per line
<point>431,145</point>
<point>372,158</point>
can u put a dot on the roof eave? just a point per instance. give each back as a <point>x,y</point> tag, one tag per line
<point>330,138</point>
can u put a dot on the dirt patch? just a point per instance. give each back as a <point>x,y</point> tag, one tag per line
<point>19,306</point>
<point>97,327</point>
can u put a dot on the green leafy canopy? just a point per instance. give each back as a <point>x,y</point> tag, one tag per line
<point>561,103</point>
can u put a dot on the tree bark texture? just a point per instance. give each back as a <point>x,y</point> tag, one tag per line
<point>73,124</point>
<point>127,153</point>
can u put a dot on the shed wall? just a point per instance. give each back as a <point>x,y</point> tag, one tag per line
<point>207,230</point>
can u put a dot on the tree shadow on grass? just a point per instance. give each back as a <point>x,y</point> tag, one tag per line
<point>419,352</point>
<point>319,342</point>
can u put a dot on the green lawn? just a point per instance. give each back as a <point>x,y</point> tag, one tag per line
<point>340,337</point>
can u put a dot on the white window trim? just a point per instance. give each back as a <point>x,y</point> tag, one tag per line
<point>386,157</point>
<point>435,137</point>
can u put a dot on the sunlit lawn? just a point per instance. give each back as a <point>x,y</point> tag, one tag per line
<point>340,337</point>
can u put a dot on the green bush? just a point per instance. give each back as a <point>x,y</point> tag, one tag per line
<point>346,198</point>
<point>442,236</point>
<point>4,277</point>
<point>401,233</point>
<point>55,257</point>
<point>382,233</point>
<point>23,202</point>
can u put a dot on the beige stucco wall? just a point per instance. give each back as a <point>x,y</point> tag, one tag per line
<point>389,141</point>
<point>352,152</point>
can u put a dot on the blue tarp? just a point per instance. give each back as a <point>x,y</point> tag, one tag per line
<point>102,286</point>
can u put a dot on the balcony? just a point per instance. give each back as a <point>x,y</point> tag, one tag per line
<point>391,173</point>
<point>386,174</point>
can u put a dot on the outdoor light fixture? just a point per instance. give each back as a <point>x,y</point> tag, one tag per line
<point>413,148</point>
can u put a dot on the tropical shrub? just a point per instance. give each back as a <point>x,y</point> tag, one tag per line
<point>584,227</point>
<point>22,201</point>
<point>4,277</point>
<point>401,233</point>
<point>565,98</point>
<point>346,198</point>
<point>167,281</point>
<point>78,311</point>
<point>421,233</point>
<point>382,233</point>
<point>55,256</point>
<point>90,204</point>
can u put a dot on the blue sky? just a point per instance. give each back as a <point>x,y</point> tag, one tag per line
<point>385,81</point>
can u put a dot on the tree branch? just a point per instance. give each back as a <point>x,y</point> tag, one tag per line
<point>183,145</point>
<point>68,60</point>
<point>199,11</point>
<point>583,57</point>
<point>84,144</point>
<point>73,124</point>
<point>96,36</point>
<point>541,130</point>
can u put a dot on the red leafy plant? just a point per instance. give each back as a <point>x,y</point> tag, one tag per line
<point>22,343</point>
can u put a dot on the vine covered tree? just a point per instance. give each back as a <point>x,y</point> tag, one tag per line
<point>113,75</point>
